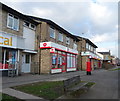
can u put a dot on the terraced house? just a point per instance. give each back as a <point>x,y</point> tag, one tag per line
<point>87,55</point>
<point>34,45</point>
<point>58,48</point>
<point>18,43</point>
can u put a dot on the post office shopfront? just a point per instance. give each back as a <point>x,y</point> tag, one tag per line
<point>59,58</point>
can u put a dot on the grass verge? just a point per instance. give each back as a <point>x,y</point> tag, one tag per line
<point>6,97</point>
<point>47,90</point>
<point>89,84</point>
<point>115,69</point>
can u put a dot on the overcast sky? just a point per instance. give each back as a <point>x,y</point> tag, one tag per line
<point>97,19</point>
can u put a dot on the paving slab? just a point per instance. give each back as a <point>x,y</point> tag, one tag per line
<point>21,95</point>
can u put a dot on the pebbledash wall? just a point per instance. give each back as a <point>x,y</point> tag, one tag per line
<point>58,48</point>
<point>17,41</point>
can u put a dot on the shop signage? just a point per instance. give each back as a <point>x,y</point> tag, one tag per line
<point>71,69</point>
<point>52,50</point>
<point>11,41</point>
<point>57,46</point>
<point>56,70</point>
<point>5,41</point>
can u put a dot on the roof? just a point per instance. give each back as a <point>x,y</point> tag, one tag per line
<point>53,24</point>
<point>18,14</point>
<point>104,53</point>
<point>88,41</point>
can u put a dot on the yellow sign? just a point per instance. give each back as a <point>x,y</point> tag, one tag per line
<point>6,41</point>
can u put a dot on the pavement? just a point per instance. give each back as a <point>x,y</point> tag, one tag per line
<point>21,95</point>
<point>29,78</point>
<point>106,86</point>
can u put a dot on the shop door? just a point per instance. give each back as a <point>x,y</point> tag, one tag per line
<point>63,63</point>
<point>26,63</point>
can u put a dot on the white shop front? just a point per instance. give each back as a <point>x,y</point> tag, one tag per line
<point>10,47</point>
<point>63,59</point>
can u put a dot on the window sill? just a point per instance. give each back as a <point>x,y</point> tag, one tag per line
<point>12,29</point>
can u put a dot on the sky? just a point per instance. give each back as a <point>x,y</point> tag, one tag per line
<point>96,19</point>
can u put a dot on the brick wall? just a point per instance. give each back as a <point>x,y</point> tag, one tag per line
<point>45,61</point>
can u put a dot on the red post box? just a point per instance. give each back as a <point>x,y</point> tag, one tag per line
<point>88,69</point>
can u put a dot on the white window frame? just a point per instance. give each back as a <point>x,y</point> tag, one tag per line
<point>33,25</point>
<point>25,24</point>
<point>13,17</point>
<point>29,26</point>
<point>67,40</point>
<point>75,46</point>
<point>87,45</point>
<point>52,33</point>
<point>60,37</point>
<point>94,50</point>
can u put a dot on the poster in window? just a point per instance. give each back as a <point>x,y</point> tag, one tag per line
<point>60,60</point>
<point>53,59</point>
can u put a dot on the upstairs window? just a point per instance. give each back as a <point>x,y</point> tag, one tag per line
<point>29,25</point>
<point>32,26</point>
<point>60,37</point>
<point>87,45</point>
<point>92,48</point>
<point>13,22</point>
<point>67,40</point>
<point>52,33</point>
<point>75,46</point>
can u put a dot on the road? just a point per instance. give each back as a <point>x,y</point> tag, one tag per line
<point>106,86</point>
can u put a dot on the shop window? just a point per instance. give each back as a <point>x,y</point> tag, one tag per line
<point>54,60</point>
<point>71,61</point>
<point>58,60</point>
<point>2,56</point>
<point>8,59</point>
<point>13,22</point>
<point>52,33</point>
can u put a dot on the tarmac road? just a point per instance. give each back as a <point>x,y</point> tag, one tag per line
<point>106,86</point>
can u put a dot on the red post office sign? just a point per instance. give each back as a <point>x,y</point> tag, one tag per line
<point>52,50</point>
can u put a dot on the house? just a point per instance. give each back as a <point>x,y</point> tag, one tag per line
<point>36,45</point>
<point>18,43</point>
<point>107,59</point>
<point>58,48</point>
<point>87,53</point>
<point>106,55</point>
